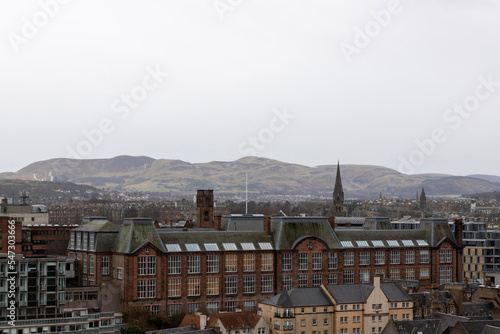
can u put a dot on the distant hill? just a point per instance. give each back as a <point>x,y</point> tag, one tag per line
<point>265,177</point>
<point>489,178</point>
<point>55,191</point>
<point>5,175</point>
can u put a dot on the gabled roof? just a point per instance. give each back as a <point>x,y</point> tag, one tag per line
<point>394,292</point>
<point>350,293</point>
<point>190,320</point>
<point>287,230</point>
<point>299,297</point>
<point>136,232</point>
<point>236,320</point>
<point>436,230</point>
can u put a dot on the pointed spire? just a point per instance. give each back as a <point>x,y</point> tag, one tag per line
<point>338,194</point>
<point>338,180</point>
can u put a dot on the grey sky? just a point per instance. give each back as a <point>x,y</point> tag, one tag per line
<point>275,71</point>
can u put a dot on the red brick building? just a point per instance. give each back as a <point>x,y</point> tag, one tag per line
<point>242,259</point>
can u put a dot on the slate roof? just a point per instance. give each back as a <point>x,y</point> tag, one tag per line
<point>358,293</point>
<point>436,230</point>
<point>288,230</point>
<point>424,326</point>
<point>98,225</point>
<point>243,222</point>
<point>300,297</point>
<point>446,320</point>
<point>377,223</point>
<point>134,233</point>
<point>478,308</point>
<point>394,292</point>
<point>200,237</point>
<point>350,293</point>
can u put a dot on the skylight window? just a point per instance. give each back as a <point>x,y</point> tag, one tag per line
<point>393,243</point>
<point>193,247</point>
<point>229,246</point>
<point>211,247</point>
<point>362,243</point>
<point>378,243</point>
<point>408,243</point>
<point>422,243</point>
<point>247,246</point>
<point>173,247</point>
<point>346,244</point>
<point>265,245</point>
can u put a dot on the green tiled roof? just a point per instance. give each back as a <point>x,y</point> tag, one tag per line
<point>201,237</point>
<point>436,230</point>
<point>134,233</point>
<point>287,230</point>
<point>98,225</point>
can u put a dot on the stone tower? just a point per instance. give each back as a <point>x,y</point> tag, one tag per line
<point>205,208</point>
<point>338,195</point>
<point>423,202</point>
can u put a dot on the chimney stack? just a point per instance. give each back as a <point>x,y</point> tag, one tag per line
<point>267,225</point>
<point>218,221</point>
<point>171,223</point>
<point>332,222</point>
<point>348,224</point>
<point>459,228</point>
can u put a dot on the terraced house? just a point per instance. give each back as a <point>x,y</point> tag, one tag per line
<point>238,260</point>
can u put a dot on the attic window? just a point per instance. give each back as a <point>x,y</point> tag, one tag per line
<point>265,246</point>
<point>393,243</point>
<point>378,243</point>
<point>247,246</point>
<point>346,244</point>
<point>173,247</point>
<point>193,247</point>
<point>422,243</point>
<point>362,243</point>
<point>408,243</point>
<point>211,247</point>
<point>229,246</point>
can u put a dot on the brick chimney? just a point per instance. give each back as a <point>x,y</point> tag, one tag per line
<point>459,252</point>
<point>348,224</point>
<point>267,225</point>
<point>459,228</point>
<point>332,222</point>
<point>170,222</point>
<point>218,221</point>
<point>156,224</point>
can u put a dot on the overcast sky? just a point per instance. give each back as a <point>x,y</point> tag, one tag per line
<point>410,85</point>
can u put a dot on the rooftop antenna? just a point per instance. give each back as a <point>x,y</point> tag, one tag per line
<point>24,195</point>
<point>246,193</point>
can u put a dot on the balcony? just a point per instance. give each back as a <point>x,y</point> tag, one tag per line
<point>287,327</point>
<point>284,314</point>
<point>277,326</point>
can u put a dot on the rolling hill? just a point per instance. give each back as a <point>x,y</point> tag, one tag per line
<point>265,177</point>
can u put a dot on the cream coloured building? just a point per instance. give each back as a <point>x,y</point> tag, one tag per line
<point>337,309</point>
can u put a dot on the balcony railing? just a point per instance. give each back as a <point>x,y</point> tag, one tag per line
<point>284,314</point>
<point>287,327</point>
<point>277,326</point>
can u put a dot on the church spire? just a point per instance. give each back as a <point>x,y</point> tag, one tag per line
<point>338,194</point>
